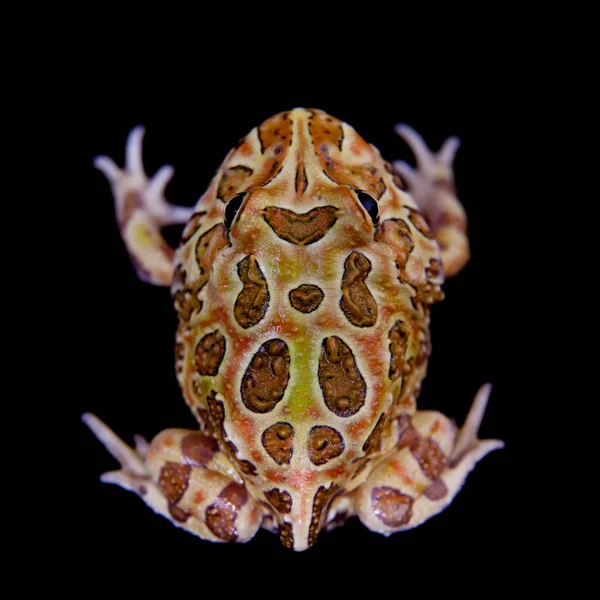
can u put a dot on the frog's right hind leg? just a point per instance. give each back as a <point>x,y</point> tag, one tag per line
<point>427,470</point>
<point>142,210</point>
<point>183,476</point>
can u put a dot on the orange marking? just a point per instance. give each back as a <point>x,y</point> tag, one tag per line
<point>274,475</point>
<point>336,472</point>
<point>400,469</point>
<point>199,496</point>
<point>256,514</point>
<point>245,148</point>
<point>356,147</point>
<point>313,412</point>
<point>246,428</point>
<point>167,441</point>
<point>436,426</point>
<point>357,429</point>
<point>257,456</point>
<point>300,478</point>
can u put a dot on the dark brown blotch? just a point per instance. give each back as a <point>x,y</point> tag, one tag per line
<point>198,448</point>
<point>300,229</point>
<point>252,302</point>
<point>192,226</point>
<point>179,357</point>
<point>435,269</point>
<point>266,377</point>
<point>301,179</point>
<point>286,534</point>
<point>399,337</point>
<point>396,233</point>
<point>280,500</point>
<point>184,292</point>
<point>373,443</point>
<point>324,444</point>
<point>407,434</point>
<point>430,457</point>
<point>173,480</point>
<point>357,302</point>
<point>278,441</point>
<point>321,501</point>
<point>391,506</point>
<point>419,221</point>
<point>306,298</point>
<point>179,514</point>
<point>185,298</point>
<point>234,180</point>
<point>436,491</point>
<point>210,352</point>
<point>220,516</point>
<point>344,389</point>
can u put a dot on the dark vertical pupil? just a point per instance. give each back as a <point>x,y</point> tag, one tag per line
<point>232,208</point>
<point>370,205</point>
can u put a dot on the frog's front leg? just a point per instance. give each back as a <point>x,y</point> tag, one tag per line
<point>432,187</point>
<point>426,471</point>
<point>142,210</point>
<point>183,476</point>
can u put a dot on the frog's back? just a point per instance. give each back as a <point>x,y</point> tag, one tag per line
<point>302,285</point>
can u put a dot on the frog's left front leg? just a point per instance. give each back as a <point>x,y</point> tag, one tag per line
<point>431,185</point>
<point>142,210</point>
<point>427,470</point>
<point>183,476</point>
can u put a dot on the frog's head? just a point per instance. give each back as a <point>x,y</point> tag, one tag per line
<point>300,286</point>
<point>303,175</point>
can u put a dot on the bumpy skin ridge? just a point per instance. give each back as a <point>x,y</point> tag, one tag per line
<point>302,223</point>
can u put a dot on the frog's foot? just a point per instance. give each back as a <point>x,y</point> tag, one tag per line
<point>183,476</point>
<point>432,187</point>
<point>142,210</point>
<point>430,466</point>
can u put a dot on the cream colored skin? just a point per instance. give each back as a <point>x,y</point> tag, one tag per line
<point>141,212</point>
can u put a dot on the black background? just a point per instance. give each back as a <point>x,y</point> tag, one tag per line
<point>121,342</point>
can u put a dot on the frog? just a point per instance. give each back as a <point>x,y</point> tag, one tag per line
<point>303,283</point>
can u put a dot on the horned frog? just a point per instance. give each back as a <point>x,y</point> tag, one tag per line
<point>303,284</point>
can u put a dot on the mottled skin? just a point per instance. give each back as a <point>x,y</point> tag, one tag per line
<point>303,284</point>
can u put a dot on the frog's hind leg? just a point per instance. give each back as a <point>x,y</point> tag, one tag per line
<point>430,466</point>
<point>142,210</point>
<point>432,187</point>
<point>183,476</point>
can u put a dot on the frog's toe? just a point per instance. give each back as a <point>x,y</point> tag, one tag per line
<point>133,151</point>
<point>108,168</point>
<point>130,460</point>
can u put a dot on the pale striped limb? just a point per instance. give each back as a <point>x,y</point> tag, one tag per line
<point>429,468</point>
<point>142,211</point>
<point>183,476</point>
<point>431,185</point>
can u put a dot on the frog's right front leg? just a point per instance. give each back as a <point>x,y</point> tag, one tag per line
<point>183,476</point>
<point>142,210</point>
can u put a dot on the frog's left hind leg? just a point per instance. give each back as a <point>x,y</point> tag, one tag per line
<point>183,476</point>
<point>431,185</point>
<point>142,210</point>
<point>430,466</point>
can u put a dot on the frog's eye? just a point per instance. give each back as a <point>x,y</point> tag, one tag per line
<point>232,208</point>
<point>370,205</point>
